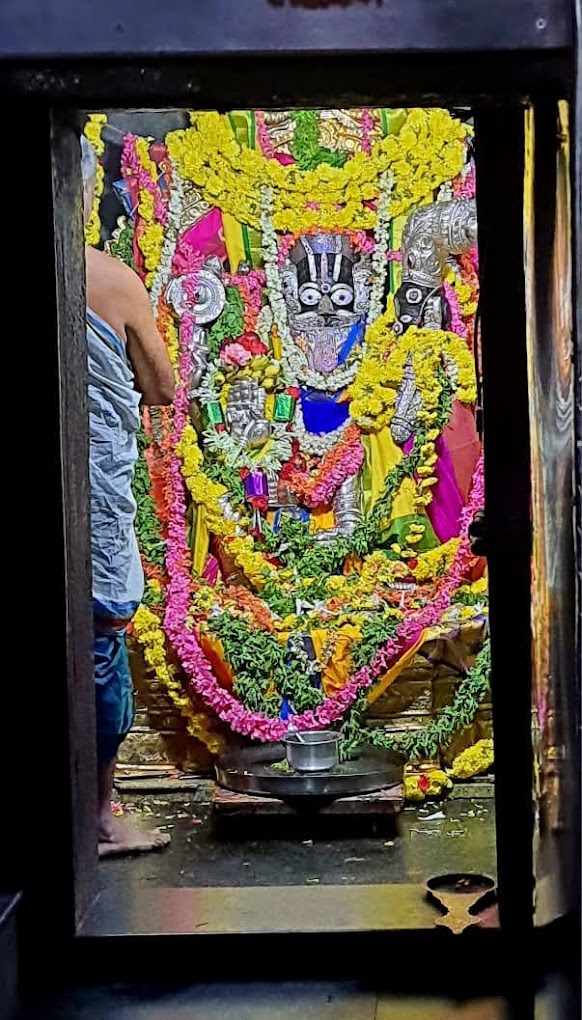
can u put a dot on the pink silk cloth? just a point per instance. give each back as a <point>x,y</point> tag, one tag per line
<point>458,450</point>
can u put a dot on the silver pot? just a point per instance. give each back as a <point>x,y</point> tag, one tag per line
<point>316,751</point>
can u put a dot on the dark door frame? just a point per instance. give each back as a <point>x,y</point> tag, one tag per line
<point>40,120</point>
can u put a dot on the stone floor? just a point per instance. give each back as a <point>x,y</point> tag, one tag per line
<point>285,851</point>
<point>290,874</point>
<point>261,1001</point>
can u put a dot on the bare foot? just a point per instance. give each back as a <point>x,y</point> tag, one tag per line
<point>118,837</point>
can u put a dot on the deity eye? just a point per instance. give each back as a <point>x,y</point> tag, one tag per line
<point>342,295</point>
<point>414,295</point>
<point>309,295</point>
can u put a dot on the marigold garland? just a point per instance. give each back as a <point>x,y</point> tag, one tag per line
<point>148,632</point>
<point>473,761</point>
<point>331,197</point>
<point>208,494</point>
<point>151,207</point>
<point>428,150</point>
<point>340,463</point>
<point>93,131</point>
<point>373,393</point>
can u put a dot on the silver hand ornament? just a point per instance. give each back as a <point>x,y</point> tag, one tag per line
<point>245,413</point>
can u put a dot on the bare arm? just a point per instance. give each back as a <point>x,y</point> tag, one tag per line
<point>145,348</point>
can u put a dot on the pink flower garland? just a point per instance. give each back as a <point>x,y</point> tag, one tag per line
<point>457,325</point>
<point>251,287</point>
<point>336,466</point>
<point>131,166</point>
<point>367,128</point>
<point>256,724</point>
<point>186,259</point>
<point>263,137</point>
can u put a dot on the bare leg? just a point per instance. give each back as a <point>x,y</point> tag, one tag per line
<point>116,835</point>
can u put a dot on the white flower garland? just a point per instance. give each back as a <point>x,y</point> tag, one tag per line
<point>236,455</point>
<point>380,254</point>
<point>207,392</point>
<point>317,444</point>
<point>264,325</point>
<point>292,359</point>
<point>310,667</point>
<point>445,192</point>
<point>336,380</point>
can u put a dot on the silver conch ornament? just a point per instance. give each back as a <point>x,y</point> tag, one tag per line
<point>210,295</point>
<point>432,234</point>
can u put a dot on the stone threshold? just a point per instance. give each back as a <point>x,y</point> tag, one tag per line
<point>150,781</point>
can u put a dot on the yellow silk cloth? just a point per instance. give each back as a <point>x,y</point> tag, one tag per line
<point>233,241</point>
<point>394,672</point>
<point>381,454</point>
<point>243,244</point>
<point>214,652</point>
<point>200,542</point>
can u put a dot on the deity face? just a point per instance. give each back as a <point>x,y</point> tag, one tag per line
<point>326,283</point>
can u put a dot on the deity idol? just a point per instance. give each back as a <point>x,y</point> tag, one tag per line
<point>431,236</point>
<point>325,284</point>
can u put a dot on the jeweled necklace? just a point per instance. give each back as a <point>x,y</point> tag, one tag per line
<point>317,444</point>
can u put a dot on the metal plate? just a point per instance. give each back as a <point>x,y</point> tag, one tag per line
<point>249,771</point>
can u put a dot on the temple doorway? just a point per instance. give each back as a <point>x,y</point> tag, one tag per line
<point>303,514</point>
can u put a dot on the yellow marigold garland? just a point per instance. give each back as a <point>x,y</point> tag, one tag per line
<point>374,390</point>
<point>473,760</point>
<point>150,636</point>
<point>465,294</point>
<point>428,150</point>
<point>169,330</point>
<point>207,493</point>
<point>92,131</point>
<point>151,239</point>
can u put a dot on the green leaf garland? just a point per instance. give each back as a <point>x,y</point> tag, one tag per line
<point>305,147</point>
<point>264,669</point>
<point>424,743</point>
<point>147,525</point>
<point>229,325</point>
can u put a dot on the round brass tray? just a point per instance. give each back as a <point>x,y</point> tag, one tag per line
<point>251,771</point>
